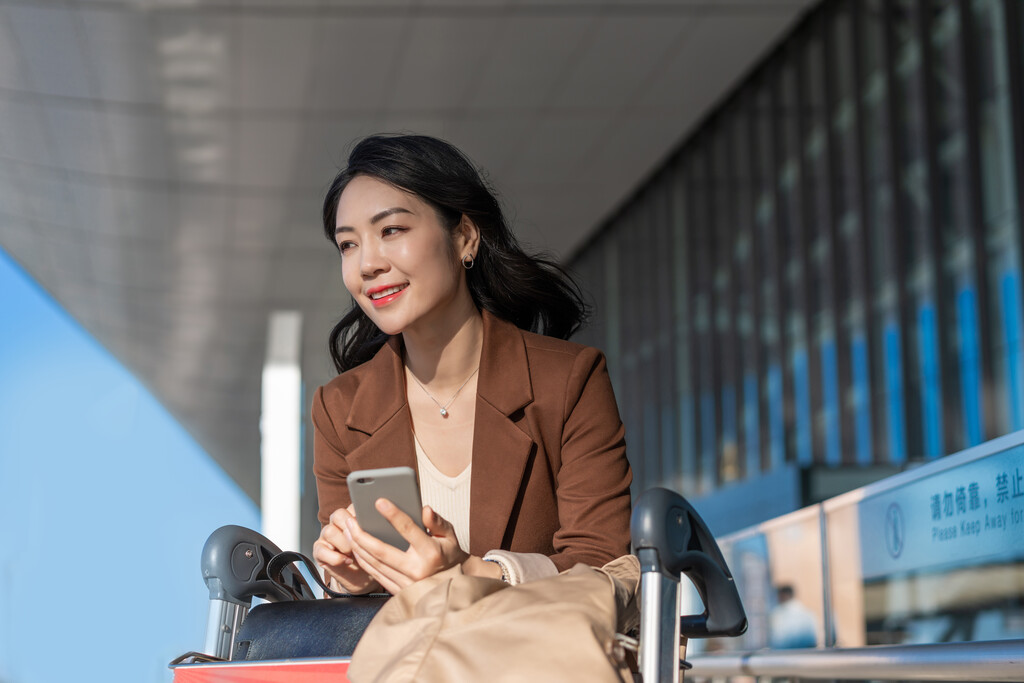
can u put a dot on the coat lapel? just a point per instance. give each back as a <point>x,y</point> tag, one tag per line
<point>380,409</point>
<point>502,444</point>
<point>501,447</point>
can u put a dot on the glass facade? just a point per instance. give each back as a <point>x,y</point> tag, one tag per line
<point>832,261</point>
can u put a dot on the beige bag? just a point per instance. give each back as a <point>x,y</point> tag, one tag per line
<point>453,627</point>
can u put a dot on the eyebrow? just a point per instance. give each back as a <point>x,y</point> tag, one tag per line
<point>376,219</point>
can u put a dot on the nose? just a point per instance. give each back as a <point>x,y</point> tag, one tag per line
<point>372,261</point>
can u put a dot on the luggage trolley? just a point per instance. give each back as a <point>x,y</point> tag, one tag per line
<point>669,538</point>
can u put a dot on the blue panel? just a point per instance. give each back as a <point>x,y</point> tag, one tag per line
<point>652,456</point>
<point>728,414</point>
<point>894,394</point>
<point>90,461</point>
<point>669,461</point>
<point>931,393</point>
<point>777,423</point>
<point>751,424</point>
<point>688,440</point>
<point>801,393</point>
<point>1012,339</point>
<point>746,503</point>
<point>861,397</point>
<point>970,364</point>
<point>729,421</point>
<point>707,440</point>
<point>830,390</point>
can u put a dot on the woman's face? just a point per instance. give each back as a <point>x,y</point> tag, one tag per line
<point>399,263</point>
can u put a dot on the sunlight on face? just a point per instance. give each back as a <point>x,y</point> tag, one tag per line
<point>399,262</point>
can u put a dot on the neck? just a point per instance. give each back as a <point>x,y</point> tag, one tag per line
<point>446,355</point>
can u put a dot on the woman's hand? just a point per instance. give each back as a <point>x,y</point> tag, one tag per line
<point>429,552</point>
<point>333,552</point>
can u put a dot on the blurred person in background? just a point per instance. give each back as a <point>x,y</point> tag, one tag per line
<point>792,625</point>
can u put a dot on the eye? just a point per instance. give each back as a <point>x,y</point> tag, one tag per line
<point>345,246</point>
<point>392,230</point>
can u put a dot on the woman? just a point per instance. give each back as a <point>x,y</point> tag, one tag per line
<point>515,436</point>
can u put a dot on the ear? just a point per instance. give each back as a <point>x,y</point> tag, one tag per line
<point>467,238</point>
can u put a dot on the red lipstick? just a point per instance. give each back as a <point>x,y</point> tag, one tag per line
<point>388,298</point>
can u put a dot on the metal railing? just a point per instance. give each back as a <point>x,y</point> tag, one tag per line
<point>997,660</point>
<point>871,564</point>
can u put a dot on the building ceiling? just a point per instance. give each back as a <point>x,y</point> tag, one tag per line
<point>163,162</point>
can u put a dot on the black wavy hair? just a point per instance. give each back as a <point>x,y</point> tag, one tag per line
<point>530,291</point>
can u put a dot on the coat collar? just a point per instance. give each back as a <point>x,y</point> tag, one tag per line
<point>502,443</point>
<point>504,380</point>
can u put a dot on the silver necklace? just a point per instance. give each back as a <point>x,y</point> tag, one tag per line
<point>444,408</point>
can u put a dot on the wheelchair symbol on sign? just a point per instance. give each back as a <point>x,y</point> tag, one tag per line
<point>894,530</point>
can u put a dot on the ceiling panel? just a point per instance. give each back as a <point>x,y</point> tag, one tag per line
<point>493,140</point>
<point>201,147</point>
<point>697,71</point>
<point>140,144</point>
<point>11,197</point>
<point>20,239</point>
<point>145,210</point>
<point>632,156</point>
<point>616,61</point>
<point>78,139</point>
<point>11,73</point>
<point>23,133</point>
<point>422,123</point>
<point>121,50</point>
<point>46,195</point>
<point>257,219</point>
<point>51,53</point>
<point>355,61</point>
<point>526,61</point>
<point>441,60</point>
<point>555,147</point>
<point>273,61</point>
<point>203,220</point>
<point>265,151</point>
<point>324,143</point>
<point>558,216</point>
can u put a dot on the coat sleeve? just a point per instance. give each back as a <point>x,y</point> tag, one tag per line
<point>594,476</point>
<point>330,465</point>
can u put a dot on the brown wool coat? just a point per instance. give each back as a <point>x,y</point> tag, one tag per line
<point>550,473</point>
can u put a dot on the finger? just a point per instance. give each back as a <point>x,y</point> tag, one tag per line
<point>371,545</point>
<point>388,577</point>
<point>382,581</point>
<point>340,516</point>
<point>336,537</point>
<point>328,556</point>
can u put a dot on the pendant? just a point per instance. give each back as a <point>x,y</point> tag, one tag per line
<point>444,412</point>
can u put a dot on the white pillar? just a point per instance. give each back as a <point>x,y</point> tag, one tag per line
<point>280,430</point>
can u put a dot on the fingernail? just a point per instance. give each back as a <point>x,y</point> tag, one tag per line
<point>383,504</point>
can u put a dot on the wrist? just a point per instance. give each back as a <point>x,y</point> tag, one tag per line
<point>476,566</point>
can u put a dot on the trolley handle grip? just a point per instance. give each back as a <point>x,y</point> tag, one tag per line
<point>665,522</point>
<point>235,564</point>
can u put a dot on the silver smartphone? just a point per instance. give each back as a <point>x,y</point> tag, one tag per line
<point>397,484</point>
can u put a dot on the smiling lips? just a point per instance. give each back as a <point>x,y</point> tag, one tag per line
<point>382,296</point>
